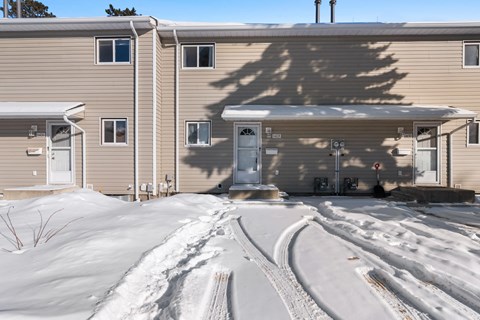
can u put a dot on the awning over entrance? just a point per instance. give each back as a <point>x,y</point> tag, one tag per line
<point>344,112</point>
<point>49,110</point>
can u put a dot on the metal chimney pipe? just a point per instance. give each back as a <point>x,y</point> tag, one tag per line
<point>19,8</point>
<point>5,9</point>
<point>332,10</point>
<point>317,10</point>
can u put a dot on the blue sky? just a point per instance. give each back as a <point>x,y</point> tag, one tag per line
<point>279,11</point>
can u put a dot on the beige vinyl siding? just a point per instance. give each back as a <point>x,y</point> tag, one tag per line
<point>304,152</point>
<point>15,165</point>
<point>61,67</point>
<point>324,71</point>
<point>167,112</point>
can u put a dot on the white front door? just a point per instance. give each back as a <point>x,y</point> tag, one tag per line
<point>247,153</point>
<point>60,155</point>
<point>427,142</point>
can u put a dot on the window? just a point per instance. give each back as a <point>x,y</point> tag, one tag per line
<point>113,50</point>
<point>198,134</point>
<point>471,54</point>
<point>114,131</point>
<point>199,56</point>
<point>473,133</point>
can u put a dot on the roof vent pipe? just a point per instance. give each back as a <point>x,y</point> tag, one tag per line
<point>317,10</point>
<point>19,8</point>
<point>332,10</point>
<point>5,9</point>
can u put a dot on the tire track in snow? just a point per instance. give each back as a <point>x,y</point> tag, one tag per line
<point>464,299</point>
<point>403,309</point>
<point>217,305</point>
<point>298,303</point>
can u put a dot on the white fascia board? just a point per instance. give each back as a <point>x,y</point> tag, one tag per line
<point>29,110</point>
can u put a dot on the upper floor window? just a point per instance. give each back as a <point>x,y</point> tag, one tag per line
<point>473,133</point>
<point>471,54</point>
<point>113,50</point>
<point>198,134</point>
<point>198,56</point>
<point>114,131</point>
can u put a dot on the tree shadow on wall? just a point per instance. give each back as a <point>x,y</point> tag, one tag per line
<point>304,73</point>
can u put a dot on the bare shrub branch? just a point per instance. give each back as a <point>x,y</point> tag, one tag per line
<point>16,242</point>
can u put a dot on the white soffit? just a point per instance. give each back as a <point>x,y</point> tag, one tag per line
<point>31,110</point>
<point>344,112</point>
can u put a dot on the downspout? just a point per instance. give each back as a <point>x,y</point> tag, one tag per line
<point>84,149</point>
<point>5,9</point>
<point>19,8</point>
<point>450,160</point>
<point>154,112</point>
<point>177,103</point>
<point>135,111</point>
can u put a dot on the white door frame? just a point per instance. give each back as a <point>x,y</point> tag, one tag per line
<point>259,149</point>
<point>49,124</point>
<point>439,153</point>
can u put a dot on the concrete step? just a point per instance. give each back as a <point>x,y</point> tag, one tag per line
<point>433,194</point>
<point>253,191</point>
<point>35,191</point>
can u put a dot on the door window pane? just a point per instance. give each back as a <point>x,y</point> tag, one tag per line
<point>427,137</point>
<point>247,160</point>
<point>247,138</point>
<point>61,136</point>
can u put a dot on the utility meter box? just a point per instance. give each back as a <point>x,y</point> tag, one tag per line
<point>337,144</point>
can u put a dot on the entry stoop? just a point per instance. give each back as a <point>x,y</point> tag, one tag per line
<point>433,194</point>
<point>35,191</point>
<point>253,191</point>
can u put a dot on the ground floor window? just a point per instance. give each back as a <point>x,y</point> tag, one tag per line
<point>473,133</point>
<point>114,131</point>
<point>197,133</point>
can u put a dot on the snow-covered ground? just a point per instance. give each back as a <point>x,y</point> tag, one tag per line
<point>204,257</point>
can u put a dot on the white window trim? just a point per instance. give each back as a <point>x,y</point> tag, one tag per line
<point>473,145</point>
<point>463,54</point>
<point>102,132</point>
<point>198,45</point>
<point>97,50</point>
<point>209,144</point>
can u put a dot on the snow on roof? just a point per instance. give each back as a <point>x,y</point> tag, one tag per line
<point>26,110</point>
<point>76,24</point>
<point>344,112</point>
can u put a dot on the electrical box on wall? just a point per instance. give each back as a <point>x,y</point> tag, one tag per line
<point>271,151</point>
<point>402,151</point>
<point>34,151</point>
